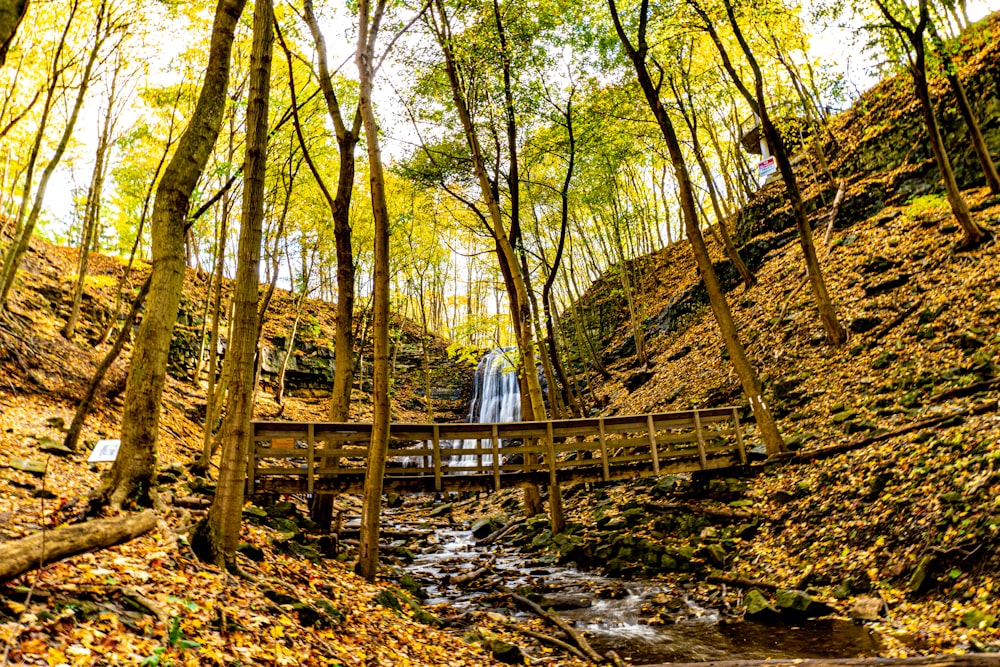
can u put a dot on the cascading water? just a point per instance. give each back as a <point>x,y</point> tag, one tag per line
<point>496,397</point>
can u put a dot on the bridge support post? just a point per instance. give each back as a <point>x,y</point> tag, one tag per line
<point>556,517</point>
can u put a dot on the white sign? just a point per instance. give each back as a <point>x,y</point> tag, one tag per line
<point>767,167</point>
<point>105,451</point>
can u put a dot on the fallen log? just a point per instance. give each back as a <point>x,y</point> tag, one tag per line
<point>831,450</point>
<point>552,641</point>
<point>500,532</point>
<point>969,390</point>
<point>968,660</point>
<point>727,514</point>
<point>466,577</point>
<point>20,556</point>
<point>556,620</point>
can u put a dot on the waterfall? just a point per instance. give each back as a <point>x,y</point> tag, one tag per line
<point>496,397</point>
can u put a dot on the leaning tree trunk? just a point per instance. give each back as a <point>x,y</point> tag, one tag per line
<point>835,332</point>
<point>223,522</point>
<point>87,402</point>
<point>717,299</point>
<point>132,472</point>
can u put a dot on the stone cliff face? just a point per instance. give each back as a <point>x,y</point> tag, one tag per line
<point>311,364</point>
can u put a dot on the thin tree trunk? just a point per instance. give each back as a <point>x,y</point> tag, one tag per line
<point>222,526</point>
<point>835,333</point>
<point>766,426</point>
<point>19,246</point>
<point>86,403</point>
<point>368,28</point>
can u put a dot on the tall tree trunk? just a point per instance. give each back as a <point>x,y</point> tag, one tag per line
<point>368,28</point>
<point>918,69</point>
<point>965,108</point>
<point>222,526</point>
<point>717,299</point>
<point>132,473</point>
<point>339,203</point>
<point>835,333</point>
<point>92,211</point>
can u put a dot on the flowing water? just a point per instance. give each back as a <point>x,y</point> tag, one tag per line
<point>495,398</point>
<point>615,613</point>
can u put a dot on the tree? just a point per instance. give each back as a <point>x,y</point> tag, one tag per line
<point>222,526</point>
<point>132,473</point>
<point>914,34</point>
<point>835,333</point>
<point>369,23</point>
<point>106,23</point>
<point>638,54</point>
<point>11,14</point>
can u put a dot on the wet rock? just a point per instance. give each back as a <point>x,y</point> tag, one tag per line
<point>563,601</point>
<point>862,325</point>
<point>486,526</point>
<point>441,510</point>
<point>635,516</point>
<point>506,652</point>
<point>867,609</point>
<point>921,580</point>
<point>715,554</point>
<point>800,604</point>
<point>978,619</point>
<point>757,607</point>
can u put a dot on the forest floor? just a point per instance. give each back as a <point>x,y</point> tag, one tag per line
<point>858,522</point>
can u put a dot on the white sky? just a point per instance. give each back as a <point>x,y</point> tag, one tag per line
<point>835,45</point>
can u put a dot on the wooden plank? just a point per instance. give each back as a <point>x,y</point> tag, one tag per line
<point>701,441</point>
<point>739,437</point>
<point>652,445</point>
<point>604,449</point>
<point>311,459</point>
<point>436,439</point>
<point>496,458</point>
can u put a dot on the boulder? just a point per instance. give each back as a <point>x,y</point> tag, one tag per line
<point>757,607</point>
<point>487,525</point>
<point>867,609</point>
<point>799,604</point>
<point>36,468</point>
<point>441,510</point>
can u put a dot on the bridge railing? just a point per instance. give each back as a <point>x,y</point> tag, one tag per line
<point>601,447</point>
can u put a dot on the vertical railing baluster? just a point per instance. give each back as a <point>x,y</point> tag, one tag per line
<point>496,458</point>
<point>604,449</point>
<point>310,458</point>
<point>436,435</point>
<point>652,444</point>
<point>701,441</point>
<point>739,437</point>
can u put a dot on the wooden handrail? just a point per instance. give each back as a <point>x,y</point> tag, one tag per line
<point>608,446</point>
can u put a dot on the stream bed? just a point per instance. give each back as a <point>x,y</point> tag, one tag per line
<point>616,613</point>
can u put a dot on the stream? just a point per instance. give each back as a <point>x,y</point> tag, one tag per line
<point>614,612</point>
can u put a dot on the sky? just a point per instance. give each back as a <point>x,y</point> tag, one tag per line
<point>836,45</point>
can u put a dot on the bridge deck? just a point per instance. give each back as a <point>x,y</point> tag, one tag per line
<point>312,458</point>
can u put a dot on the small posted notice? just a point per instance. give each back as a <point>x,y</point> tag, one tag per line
<point>767,167</point>
<point>105,451</point>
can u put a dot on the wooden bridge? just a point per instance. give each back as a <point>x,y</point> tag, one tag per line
<point>315,458</point>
